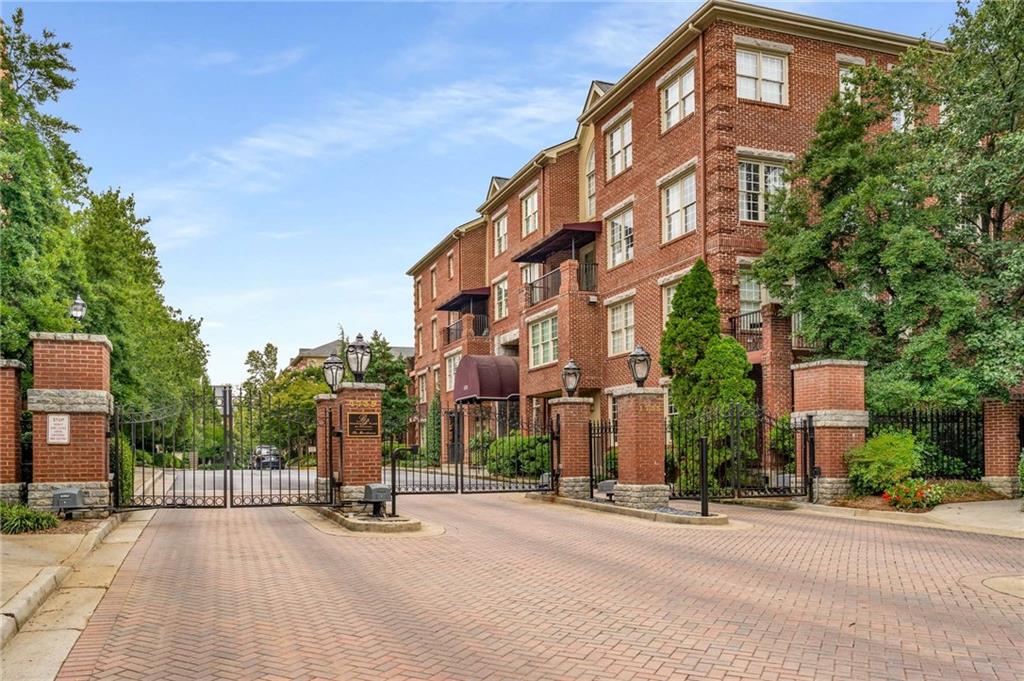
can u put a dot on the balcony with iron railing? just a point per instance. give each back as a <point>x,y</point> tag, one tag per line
<point>748,329</point>
<point>549,285</point>
<point>456,330</point>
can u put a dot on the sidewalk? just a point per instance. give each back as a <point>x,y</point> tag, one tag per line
<point>52,583</point>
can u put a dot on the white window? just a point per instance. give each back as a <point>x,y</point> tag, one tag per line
<point>677,99</point>
<point>846,84</point>
<point>620,328</point>
<point>750,293</point>
<point>679,207</point>
<point>592,182</point>
<point>501,234</point>
<point>437,380</point>
<point>757,180</point>
<point>613,417</point>
<point>531,219</point>
<point>433,334</point>
<point>433,283</point>
<point>451,363</point>
<point>667,294</point>
<point>501,299</point>
<point>451,265</point>
<point>619,150</point>
<point>620,238</point>
<point>544,342</point>
<point>422,385</point>
<point>419,340</point>
<point>761,76</point>
<point>901,120</point>
<point>531,273</point>
<point>419,293</point>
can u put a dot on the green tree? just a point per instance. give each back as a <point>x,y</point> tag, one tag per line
<point>432,431</point>
<point>396,402</point>
<point>261,367</point>
<point>706,368</point>
<point>903,247</point>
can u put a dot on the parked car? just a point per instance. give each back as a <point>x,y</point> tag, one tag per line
<point>266,457</point>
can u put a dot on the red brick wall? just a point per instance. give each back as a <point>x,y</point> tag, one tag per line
<point>70,365</point>
<point>832,386</point>
<point>361,457</point>
<point>84,460</point>
<point>325,421</point>
<point>1002,444</point>
<point>574,443</point>
<point>776,358</point>
<point>641,434</point>
<point>10,424</point>
<point>473,266</point>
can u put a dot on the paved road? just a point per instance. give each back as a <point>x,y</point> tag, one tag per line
<point>168,483</point>
<point>520,590</point>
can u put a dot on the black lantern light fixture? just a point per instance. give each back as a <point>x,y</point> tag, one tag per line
<point>334,372</point>
<point>358,356</point>
<point>77,309</point>
<point>571,373</point>
<point>639,362</point>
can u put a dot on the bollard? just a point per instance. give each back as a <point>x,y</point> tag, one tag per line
<point>704,477</point>
<point>394,485</point>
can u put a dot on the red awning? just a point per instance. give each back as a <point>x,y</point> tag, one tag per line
<point>486,377</point>
<point>572,236</point>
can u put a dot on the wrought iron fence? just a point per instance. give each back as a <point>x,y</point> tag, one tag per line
<point>604,453</point>
<point>25,474</point>
<point>587,276</point>
<point>544,287</point>
<point>746,328</point>
<point>954,439</point>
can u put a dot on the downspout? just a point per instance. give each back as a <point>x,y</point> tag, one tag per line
<point>703,150</point>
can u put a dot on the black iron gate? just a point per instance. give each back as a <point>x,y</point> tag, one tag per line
<point>750,454</point>
<point>478,448</point>
<point>217,448</point>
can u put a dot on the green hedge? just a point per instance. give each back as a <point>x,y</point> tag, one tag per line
<point>519,455</point>
<point>16,519</point>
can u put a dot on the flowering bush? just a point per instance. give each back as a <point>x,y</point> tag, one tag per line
<point>913,493</point>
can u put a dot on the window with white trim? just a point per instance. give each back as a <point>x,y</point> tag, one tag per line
<point>619,147</point>
<point>668,292</point>
<point>501,299</point>
<point>847,86</point>
<point>531,217</point>
<point>422,387</point>
<point>592,182</point>
<point>613,417</point>
<point>437,380</point>
<point>620,238</point>
<point>433,334</point>
<point>451,363</point>
<point>531,273</point>
<point>544,341</point>
<point>620,328</point>
<point>501,234</point>
<point>433,283</point>
<point>418,293</point>
<point>677,99</point>
<point>757,180</point>
<point>761,76</point>
<point>750,292</point>
<point>679,207</point>
<point>419,340</point>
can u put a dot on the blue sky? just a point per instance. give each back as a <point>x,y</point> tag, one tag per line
<point>296,159</point>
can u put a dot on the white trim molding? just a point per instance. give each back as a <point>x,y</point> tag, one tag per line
<point>676,172</point>
<point>832,418</point>
<point>673,277</point>
<point>541,314</point>
<point>851,59</point>
<point>617,118</point>
<point>677,69</point>
<point>619,207</point>
<point>619,297</point>
<point>453,351</point>
<point>503,275</point>
<point>767,45</point>
<point>765,154</point>
<point>529,188</point>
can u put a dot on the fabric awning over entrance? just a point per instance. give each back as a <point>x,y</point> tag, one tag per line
<point>572,237</point>
<point>464,298</point>
<point>486,377</point>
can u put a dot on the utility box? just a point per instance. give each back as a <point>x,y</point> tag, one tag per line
<point>607,487</point>
<point>67,499</point>
<point>377,493</point>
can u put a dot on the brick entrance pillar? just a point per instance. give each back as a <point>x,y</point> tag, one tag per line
<point>776,358</point>
<point>832,391</point>
<point>1003,445</point>
<point>328,444</point>
<point>71,405</point>
<point>10,430</point>
<point>573,417</point>
<point>641,443</point>
<point>359,462</point>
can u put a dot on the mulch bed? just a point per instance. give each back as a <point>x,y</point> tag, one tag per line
<point>69,527</point>
<point>968,491</point>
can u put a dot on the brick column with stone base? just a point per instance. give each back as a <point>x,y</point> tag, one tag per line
<point>71,406</point>
<point>1003,445</point>
<point>832,391</point>
<point>328,444</point>
<point>359,463</point>
<point>573,417</point>
<point>641,444</point>
<point>10,430</point>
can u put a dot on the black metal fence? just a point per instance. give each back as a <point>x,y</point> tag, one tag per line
<point>954,439</point>
<point>25,474</point>
<point>604,452</point>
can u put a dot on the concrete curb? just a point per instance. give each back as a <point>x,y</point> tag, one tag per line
<point>22,605</point>
<point>897,518</point>
<point>655,516</point>
<point>402,524</point>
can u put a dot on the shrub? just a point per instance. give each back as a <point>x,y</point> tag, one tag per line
<point>935,464</point>
<point>913,493</point>
<point>480,443</point>
<point>519,455</point>
<point>884,460</point>
<point>16,519</point>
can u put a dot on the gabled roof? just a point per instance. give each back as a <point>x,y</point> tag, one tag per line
<point>544,157</point>
<point>446,243</point>
<point>325,350</point>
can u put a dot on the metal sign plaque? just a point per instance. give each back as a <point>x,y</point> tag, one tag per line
<point>58,429</point>
<point>363,425</point>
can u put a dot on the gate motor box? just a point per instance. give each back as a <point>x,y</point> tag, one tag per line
<point>377,492</point>
<point>68,499</point>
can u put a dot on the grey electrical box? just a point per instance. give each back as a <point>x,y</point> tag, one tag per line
<point>607,487</point>
<point>377,492</point>
<point>545,481</point>
<point>68,498</point>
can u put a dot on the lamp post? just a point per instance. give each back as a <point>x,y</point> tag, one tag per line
<point>571,374</point>
<point>334,372</point>
<point>77,309</point>
<point>639,362</point>
<point>358,355</point>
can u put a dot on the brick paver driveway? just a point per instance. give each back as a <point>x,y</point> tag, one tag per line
<point>520,590</point>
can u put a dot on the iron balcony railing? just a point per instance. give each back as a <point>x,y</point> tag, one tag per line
<point>746,328</point>
<point>453,332</point>
<point>544,287</point>
<point>481,325</point>
<point>587,276</point>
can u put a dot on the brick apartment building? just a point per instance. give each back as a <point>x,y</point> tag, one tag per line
<point>576,255</point>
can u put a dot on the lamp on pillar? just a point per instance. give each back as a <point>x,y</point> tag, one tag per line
<point>77,309</point>
<point>571,373</point>
<point>639,362</point>
<point>358,355</point>
<point>334,372</point>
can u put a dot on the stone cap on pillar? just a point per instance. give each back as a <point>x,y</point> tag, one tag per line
<point>554,402</point>
<point>624,390</point>
<point>11,364</point>
<point>71,337</point>
<point>832,418</point>
<point>350,385</point>
<point>70,400</point>
<point>828,363</point>
<point>325,397</point>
